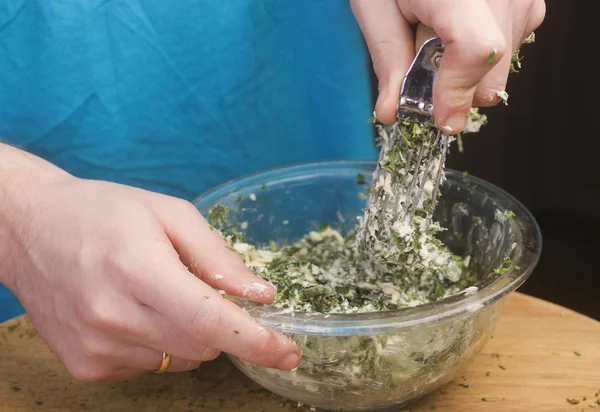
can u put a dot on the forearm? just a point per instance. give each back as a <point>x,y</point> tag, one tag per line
<point>23,178</point>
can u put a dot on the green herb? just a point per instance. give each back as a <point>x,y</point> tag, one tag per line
<point>82,405</point>
<point>502,367</point>
<point>360,179</point>
<point>509,214</point>
<point>31,335</point>
<point>487,373</point>
<point>372,120</point>
<point>459,142</point>
<point>39,403</point>
<point>433,408</point>
<point>236,332</point>
<point>573,401</point>
<point>16,388</point>
<point>490,58</point>
<point>206,297</point>
<point>578,354</point>
<point>11,328</point>
<point>464,385</point>
<point>495,355</point>
<point>483,399</point>
<point>179,397</point>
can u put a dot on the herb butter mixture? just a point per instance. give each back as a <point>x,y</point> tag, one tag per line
<point>398,262</point>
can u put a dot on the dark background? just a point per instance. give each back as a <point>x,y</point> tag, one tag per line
<point>544,149</point>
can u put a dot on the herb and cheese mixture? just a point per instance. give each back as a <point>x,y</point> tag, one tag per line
<point>329,272</point>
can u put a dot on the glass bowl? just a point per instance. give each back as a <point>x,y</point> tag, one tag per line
<point>386,360</point>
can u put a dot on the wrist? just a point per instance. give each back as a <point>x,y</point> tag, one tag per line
<point>23,178</point>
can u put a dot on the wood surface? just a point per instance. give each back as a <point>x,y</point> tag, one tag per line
<point>541,354</point>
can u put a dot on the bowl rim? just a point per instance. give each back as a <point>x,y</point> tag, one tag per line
<point>342,324</point>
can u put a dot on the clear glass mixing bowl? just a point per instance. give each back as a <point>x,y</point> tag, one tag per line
<point>380,361</point>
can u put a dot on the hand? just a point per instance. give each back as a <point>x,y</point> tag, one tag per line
<point>113,276</point>
<point>473,31</point>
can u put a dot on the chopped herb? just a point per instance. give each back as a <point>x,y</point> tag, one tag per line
<point>459,142</point>
<point>360,179</point>
<point>483,399</point>
<point>237,332</point>
<point>487,373</point>
<point>502,367</point>
<point>433,408</point>
<point>490,58</point>
<point>372,120</point>
<point>509,214</point>
<point>16,388</point>
<point>39,403</point>
<point>206,297</point>
<point>495,355</point>
<point>464,385</point>
<point>11,328</point>
<point>573,401</point>
<point>578,354</point>
<point>82,405</point>
<point>179,397</point>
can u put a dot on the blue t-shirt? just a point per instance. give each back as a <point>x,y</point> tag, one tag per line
<point>180,96</point>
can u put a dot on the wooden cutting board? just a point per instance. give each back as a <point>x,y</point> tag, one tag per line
<point>541,354</point>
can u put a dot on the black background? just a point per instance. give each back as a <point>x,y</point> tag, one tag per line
<point>543,148</point>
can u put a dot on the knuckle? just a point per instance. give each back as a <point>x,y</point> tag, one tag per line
<point>101,315</point>
<point>93,348</point>
<point>260,346</point>
<point>480,49</point>
<point>203,321</point>
<point>87,372</point>
<point>185,207</point>
<point>380,52</point>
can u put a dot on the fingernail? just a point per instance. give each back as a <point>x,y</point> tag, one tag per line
<point>454,124</point>
<point>289,362</point>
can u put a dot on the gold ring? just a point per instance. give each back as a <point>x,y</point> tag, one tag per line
<point>166,362</point>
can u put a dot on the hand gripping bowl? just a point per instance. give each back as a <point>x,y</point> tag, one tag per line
<point>380,361</point>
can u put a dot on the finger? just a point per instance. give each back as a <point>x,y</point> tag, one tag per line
<point>474,44</point>
<point>391,44</point>
<point>536,17</point>
<point>487,91</point>
<point>154,331</point>
<point>208,318</point>
<point>150,360</point>
<point>206,253</point>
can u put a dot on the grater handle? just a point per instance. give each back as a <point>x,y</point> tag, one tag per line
<point>422,34</point>
<point>416,96</point>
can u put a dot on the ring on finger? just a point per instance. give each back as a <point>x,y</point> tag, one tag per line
<point>164,366</point>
